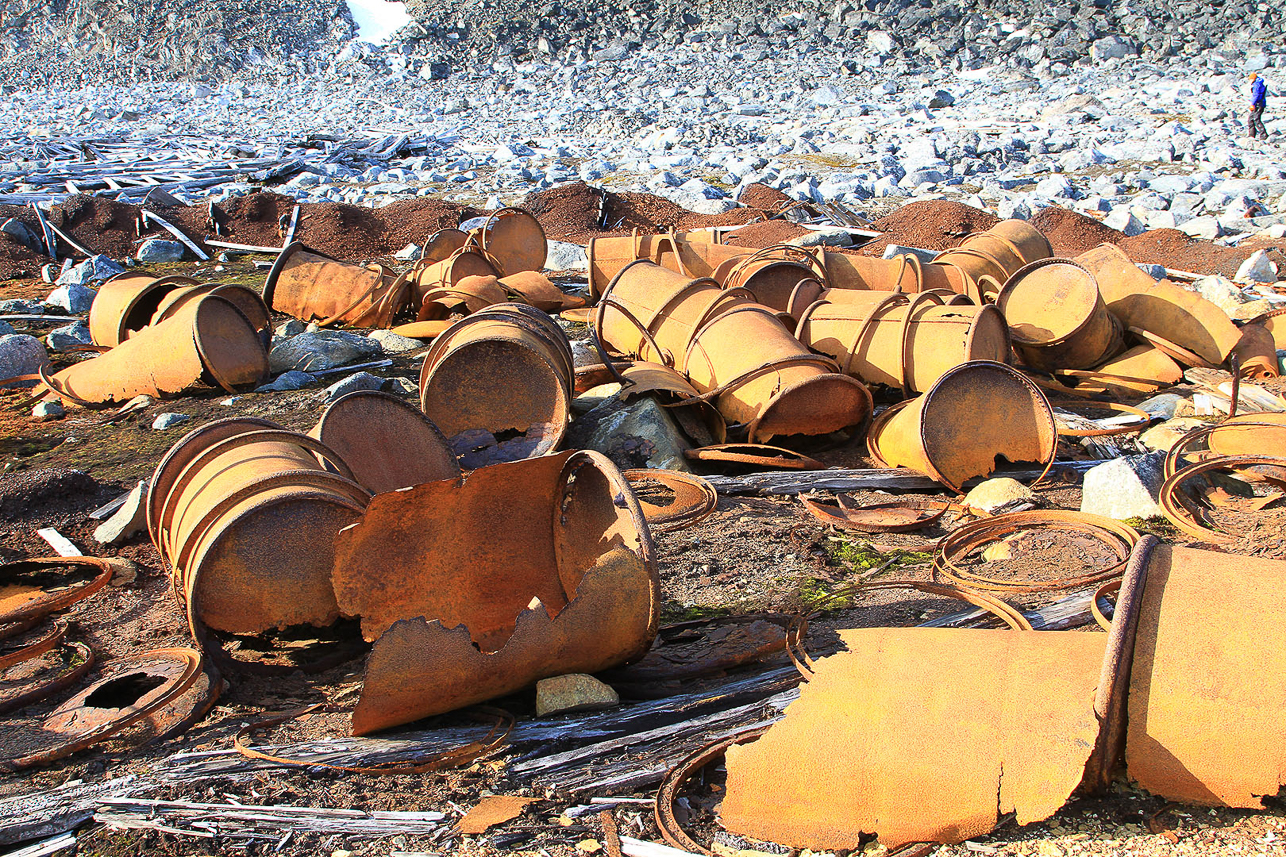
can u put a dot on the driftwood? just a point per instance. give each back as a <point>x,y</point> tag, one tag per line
<point>240,821</point>
<point>837,479</point>
<point>53,812</point>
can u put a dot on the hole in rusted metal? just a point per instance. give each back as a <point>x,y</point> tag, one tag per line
<point>124,691</point>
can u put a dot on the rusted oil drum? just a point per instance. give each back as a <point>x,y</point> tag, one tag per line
<point>467,295</point>
<point>387,443</point>
<point>1031,245</point>
<point>902,341</point>
<point>207,341</point>
<point>506,372</point>
<point>126,303</point>
<point>511,237</point>
<point>243,297</point>
<point>311,286</point>
<point>771,274</point>
<point>1000,250</point>
<point>975,414</point>
<point>692,255</point>
<point>1057,317</point>
<point>442,278</point>
<point>904,273</point>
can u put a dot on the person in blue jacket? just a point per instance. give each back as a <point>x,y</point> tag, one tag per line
<point>1258,101</point>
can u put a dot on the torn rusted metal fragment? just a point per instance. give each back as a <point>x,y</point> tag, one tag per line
<point>903,341</point>
<point>754,455</point>
<point>492,810</point>
<point>314,287</point>
<point>34,588</point>
<point>466,295</point>
<point>44,675</point>
<point>699,420</point>
<point>691,497</point>
<point>974,415</point>
<point>422,329</point>
<point>1057,318</point>
<point>511,237</point>
<point>441,281</point>
<point>541,292</point>
<point>1142,369</point>
<point>207,341</point>
<point>386,442</point>
<point>134,689</point>
<point>462,610</point>
<point>1256,353</point>
<point>126,303</point>
<point>1274,321</point>
<point>896,517</point>
<point>1169,312</point>
<point>1206,687</point>
<point>987,722</point>
<point>504,375</point>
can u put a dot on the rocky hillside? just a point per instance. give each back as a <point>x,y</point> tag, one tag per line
<point>81,41</point>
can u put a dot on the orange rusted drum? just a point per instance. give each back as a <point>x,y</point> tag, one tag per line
<point>1001,251</point>
<point>541,292</point>
<point>1256,353</point>
<point>387,443</point>
<point>431,282</point>
<point>316,288</point>
<point>511,238</point>
<point>245,298</point>
<point>776,388</point>
<point>442,244</point>
<point>689,254</point>
<point>1057,317</point>
<point>975,414</point>
<point>245,516</point>
<point>207,341</point>
<point>772,274</point>
<point>467,295</point>
<point>899,340</point>
<point>478,587</point>
<point>499,384</point>
<point>1024,238</point>
<point>905,273</point>
<point>126,303</point>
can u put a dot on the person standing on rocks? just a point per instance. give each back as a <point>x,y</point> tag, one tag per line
<point>1258,101</point>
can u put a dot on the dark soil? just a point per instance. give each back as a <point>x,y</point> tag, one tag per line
<point>759,195</point>
<point>1071,233</point>
<point>933,224</point>
<point>765,234</point>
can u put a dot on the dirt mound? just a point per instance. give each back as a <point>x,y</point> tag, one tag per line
<point>1071,233</point>
<point>99,224</point>
<point>17,260</point>
<point>412,221</point>
<point>934,224</point>
<point>765,234</point>
<point>1177,251</point>
<point>757,195</point>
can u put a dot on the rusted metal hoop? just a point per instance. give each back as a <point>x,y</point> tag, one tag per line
<point>1144,421</point>
<point>46,603</point>
<point>33,650</point>
<point>972,536</point>
<point>1181,445</point>
<point>748,453</point>
<point>694,498</point>
<point>1168,500</point>
<point>61,681</point>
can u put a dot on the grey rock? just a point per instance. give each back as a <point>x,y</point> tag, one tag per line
<point>128,520</point>
<point>574,692</point>
<point>352,384</point>
<point>47,411</point>
<point>5,328</point>
<point>1156,272</point>
<point>18,306</point>
<point>158,250</point>
<point>289,328</point>
<point>169,421</point>
<point>824,237</point>
<point>69,336</point>
<point>23,233</point>
<point>319,350</point>
<point>287,381</point>
<point>1257,268</point>
<point>407,253</point>
<point>565,256</point>
<point>21,355</point>
<point>394,343</point>
<point>1161,405</point>
<point>72,298</point>
<point>1125,487</point>
<point>95,269</point>
<point>1205,227</point>
<point>638,433</point>
<point>1221,292</point>
<point>1124,220</point>
<point>402,387</point>
<point>1112,47</point>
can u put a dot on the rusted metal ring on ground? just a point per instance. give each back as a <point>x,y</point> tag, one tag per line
<point>694,498</point>
<point>798,629</point>
<point>1180,447</point>
<point>1143,422</point>
<point>1109,588</point>
<point>64,679</point>
<point>867,519</point>
<point>668,792</point>
<point>13,629</point>
<point>464,755</point>
<point>1118,537</point>
<point>186,662</point>
<point>47,603</point>
<point>32,650</point>
<point>756,454</point>
<point>1168,496</point>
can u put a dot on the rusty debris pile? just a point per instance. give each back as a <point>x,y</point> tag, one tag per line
<point>442,548</point>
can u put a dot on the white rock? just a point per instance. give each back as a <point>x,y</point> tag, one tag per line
<point>1124,220</point>
<point>1125,487</point>
<point>1257,268</point>
<point>169,421</point>
<point>129,519</point>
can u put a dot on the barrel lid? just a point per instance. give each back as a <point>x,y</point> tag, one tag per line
<point>1048,301</point>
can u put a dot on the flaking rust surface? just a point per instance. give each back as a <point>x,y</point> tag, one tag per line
<point>1208,685</point>
<point>921,734</point>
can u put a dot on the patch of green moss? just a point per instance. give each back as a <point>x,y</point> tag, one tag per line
<point>862,556</point>
<point>673,613</point>
<point>1159,527</point>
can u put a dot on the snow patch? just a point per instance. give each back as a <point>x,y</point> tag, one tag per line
<point>377,20</point>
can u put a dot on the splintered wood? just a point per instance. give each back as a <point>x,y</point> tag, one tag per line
<point>922,735</point>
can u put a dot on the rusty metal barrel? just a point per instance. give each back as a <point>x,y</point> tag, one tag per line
<point>443,278</point>
<point>1057,318</point>
<point>975,414</point>
<point>245,514</point>
<point>733,350</point>
<point>126,304</point>
<point>499,384</point>
<point>902,341</point>
<point>512,238</point>
<point>206,341</point>
<point>314,287</point>
<point>244,298</point>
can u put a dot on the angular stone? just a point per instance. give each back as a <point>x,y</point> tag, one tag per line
<point>1164,436</point>
<point>1125,487</point>
<point>353,383</point>
<point>1204,227</point>
<point>565,256</point>
<point>319,350</point>
<point>574,692</point>
<point>287,381</point>
<point>17,306</point>
<point>129,519</point>
<point>1124,220</point>
<point>638,433</point>
<point>48,411</point>
<point>1257,268</point>
<point>21,355</point>
<point>995,496</point>
<point>1161,405</point>
<point>167,421</point>
<point>72,297</point>
<point>69,336</point>
<point>95,269</point>
<point>160,250</point>
<point>394,343</point>
<point>1221,292</point>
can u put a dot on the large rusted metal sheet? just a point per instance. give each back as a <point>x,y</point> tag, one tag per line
<point>1209,679</point>
<point>314,287</point>
<point>975,414</point>
<point>207,341</point>
<point>1160,307</point>
<point>463,610</point>
<point>499,384</point>
<point>902,341</point>
<point>1057,317</point>
<point>387,443</point>
<point>920,734</point>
